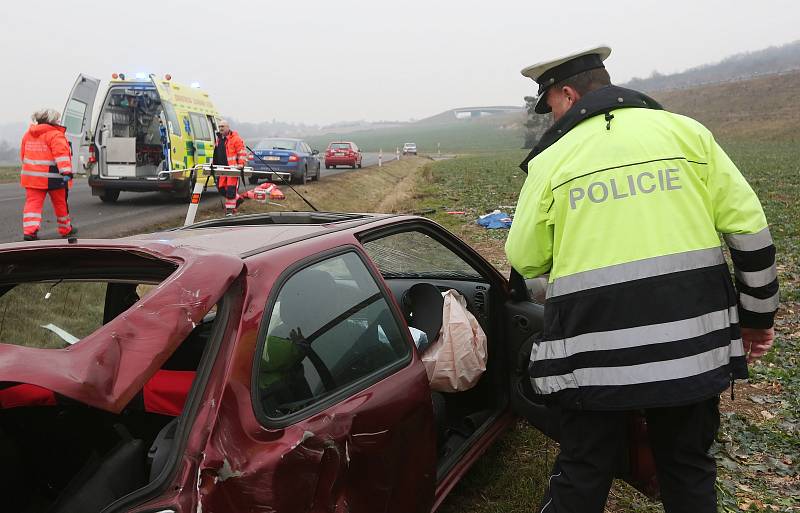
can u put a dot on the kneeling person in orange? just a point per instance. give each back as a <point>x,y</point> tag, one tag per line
<point>229,151</point>
<point>46,168</point>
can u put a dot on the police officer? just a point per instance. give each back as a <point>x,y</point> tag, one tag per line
<point>623,206</point>
<point>229,151</point>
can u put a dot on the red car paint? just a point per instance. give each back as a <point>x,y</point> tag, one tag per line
<point>374,451</point>
<point>342,154</point>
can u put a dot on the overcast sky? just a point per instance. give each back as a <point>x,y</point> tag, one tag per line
<point>321,61</point>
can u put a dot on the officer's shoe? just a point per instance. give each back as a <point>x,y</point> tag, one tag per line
<point>229,212</point>
<point>71,233</point>
<point>30,237</point>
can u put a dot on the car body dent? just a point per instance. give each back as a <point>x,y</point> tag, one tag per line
<point>108,367</point>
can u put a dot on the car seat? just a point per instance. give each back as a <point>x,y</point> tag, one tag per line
<point>101,481</point>
<point>422,307</point>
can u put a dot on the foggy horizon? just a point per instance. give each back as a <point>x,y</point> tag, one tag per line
<point>316,63</point>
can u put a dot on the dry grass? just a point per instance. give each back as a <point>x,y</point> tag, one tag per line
<point>761,109</point>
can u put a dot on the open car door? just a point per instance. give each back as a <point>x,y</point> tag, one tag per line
<point>77,118</point>
<point>524,322</point>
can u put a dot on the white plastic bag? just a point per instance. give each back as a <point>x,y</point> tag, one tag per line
<point>457,359</point>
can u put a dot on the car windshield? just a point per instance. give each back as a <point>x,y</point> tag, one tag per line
<point>416,255</point>
<point>276,144</point>
<point>340,146</point>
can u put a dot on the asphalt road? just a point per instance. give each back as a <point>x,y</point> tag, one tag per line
<point>133,211</point>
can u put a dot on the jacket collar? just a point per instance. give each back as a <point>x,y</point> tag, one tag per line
<point>599,101</point>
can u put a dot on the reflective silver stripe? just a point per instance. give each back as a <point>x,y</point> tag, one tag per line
<point>67,169</point>
<point>637,336</point>
<point>63,218</point>
<point>63,159</point>
<point>636,374</point>
<point>737,348</point>
<point>40,174</point>
<point>636,270</point>
<point>752,304</point>
<point>552,384</point>
<point>748,241</point>
<point>31,214</point>
<point>757,278</point>
<point>31,223</point>
<point>39,162</point>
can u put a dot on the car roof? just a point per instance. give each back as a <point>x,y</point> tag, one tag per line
<point>248,235</point>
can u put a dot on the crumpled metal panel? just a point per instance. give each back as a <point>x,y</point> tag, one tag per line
<point>107,368</point>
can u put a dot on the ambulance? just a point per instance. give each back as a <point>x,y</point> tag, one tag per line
<point>145,125</point>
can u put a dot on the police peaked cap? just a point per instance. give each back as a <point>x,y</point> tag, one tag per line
<point>551,72</point>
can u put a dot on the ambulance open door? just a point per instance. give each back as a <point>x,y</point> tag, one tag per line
<point>77,118</point>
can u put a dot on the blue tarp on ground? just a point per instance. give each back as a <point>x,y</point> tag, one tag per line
<point>495,220</point>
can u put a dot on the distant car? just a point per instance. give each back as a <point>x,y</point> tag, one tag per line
<point>286,155</point>
<point>343,153</point>
<point>410,148</point>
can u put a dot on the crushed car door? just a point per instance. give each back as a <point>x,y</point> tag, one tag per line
<point>77,119</point>
<point>341,416</point>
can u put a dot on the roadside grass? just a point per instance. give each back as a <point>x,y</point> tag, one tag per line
<point>9,174</point>
<point>758,445</point>
<point>372,189</point>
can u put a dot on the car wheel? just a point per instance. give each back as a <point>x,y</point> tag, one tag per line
<point>252,179</point>
<point>109,196</point>
<point>303,177</point>
<point>327,166</point>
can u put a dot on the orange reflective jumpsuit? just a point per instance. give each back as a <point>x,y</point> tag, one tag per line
<point>236,155</point>
<point>46,168</point>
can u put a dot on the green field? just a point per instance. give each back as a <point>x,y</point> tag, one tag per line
<point>9,174</point>
<point>468,136</point>
<point>759,439</point>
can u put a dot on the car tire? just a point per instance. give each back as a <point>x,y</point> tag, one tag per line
<point>109,196</point>
<point>252,180</point>
<point>303,178</point>
<point>327,166</point>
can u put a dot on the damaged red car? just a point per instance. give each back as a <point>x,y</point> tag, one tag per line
<point>256,363</point>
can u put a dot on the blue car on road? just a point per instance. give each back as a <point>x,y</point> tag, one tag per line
<point>285,155</point>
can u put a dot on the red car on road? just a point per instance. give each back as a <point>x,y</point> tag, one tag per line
<point>255,363</point>
<point>344,153</point>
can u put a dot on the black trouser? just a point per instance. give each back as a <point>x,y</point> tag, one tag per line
<point>591,444</point>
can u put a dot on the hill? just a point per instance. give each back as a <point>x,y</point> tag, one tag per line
<point>761,109</point>
<point>503,131</point>
<point>740,66</point>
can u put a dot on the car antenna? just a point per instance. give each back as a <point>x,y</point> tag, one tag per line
<point>315,209</point>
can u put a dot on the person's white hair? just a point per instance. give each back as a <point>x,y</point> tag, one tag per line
<point>46,116</point>
<point>223,122</point>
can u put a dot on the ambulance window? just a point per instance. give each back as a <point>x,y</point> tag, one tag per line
<point>73,116</point>
<point>172,119</point>
<point>200,127</point>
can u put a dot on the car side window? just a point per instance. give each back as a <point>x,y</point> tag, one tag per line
<point>330,328</point>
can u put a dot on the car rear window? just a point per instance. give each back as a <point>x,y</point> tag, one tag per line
<point>340,146</point>
<point>56,314</point>
<point>276,144</point>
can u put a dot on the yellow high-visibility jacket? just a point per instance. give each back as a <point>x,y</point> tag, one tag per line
<point>624,211</point>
